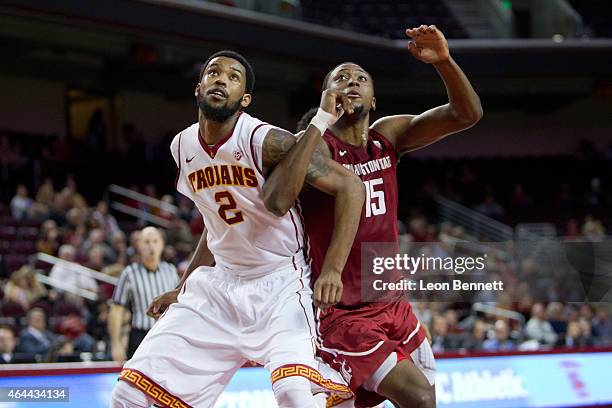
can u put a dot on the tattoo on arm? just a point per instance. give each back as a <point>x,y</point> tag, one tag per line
<point>275,146</point>
<point>319,165</point>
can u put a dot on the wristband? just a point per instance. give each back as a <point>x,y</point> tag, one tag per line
<point>322,120</point>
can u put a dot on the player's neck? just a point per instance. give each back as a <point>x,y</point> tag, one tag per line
<point>353,132</point>
<point>212,131</point>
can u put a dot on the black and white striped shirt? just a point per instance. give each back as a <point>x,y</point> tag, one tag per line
<point>138,286</point>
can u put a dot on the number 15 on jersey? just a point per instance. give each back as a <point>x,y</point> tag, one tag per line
<point>375,199</point>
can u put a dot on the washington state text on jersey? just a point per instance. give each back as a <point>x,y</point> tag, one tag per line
<point>370,166</point>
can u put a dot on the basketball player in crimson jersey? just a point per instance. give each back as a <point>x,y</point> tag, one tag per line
<point>256,302</point>
<point>380,348</point>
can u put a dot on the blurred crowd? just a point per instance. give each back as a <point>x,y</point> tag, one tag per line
<point>40,322</point>
<point>530,314</point>
<point>68,319</point>
<point>49,214</point>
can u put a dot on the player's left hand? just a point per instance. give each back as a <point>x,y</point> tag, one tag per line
<point>428,44</point>
<point>328,289</point>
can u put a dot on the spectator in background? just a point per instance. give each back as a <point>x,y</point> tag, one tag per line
<point>538,328</point>
<point>75,230</point>
<point>165,210</point>
<point>575,337</point>
<point>186,209</point>
<point>66,272</point>
<point>602,326</point>
<point>417,229</point>
<point>452,319</point>
<point>97,325</point>
<point>23,287</point>
<point>475,341</point>
<point>554,311</point>
<point>132,251</point>
<point>74,328</point>
<point>20,204</point>
<point>441,339</point>
<point>179,235</point>
<point>59,208</point>
<point>490,207</point>
<point>7,345</point>
<point>572,231</point>
<point>502,341</point>
<point>46,193</point>
<point>138,285</point>
<point>595,198</point>
<point>49,238</point>
<point>119,247</point>
<point>593,230</point>
<point>96,239</point>
<point>105,219</point>
<point>586,332</point>
<point>95,258</point>
<point>35,338</point>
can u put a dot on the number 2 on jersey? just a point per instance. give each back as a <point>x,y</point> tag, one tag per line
<point>375,200</point>
<point>227,209</point>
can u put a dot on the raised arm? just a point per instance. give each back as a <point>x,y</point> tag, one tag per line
<point>330,177</point>
<point>283,185</point>
<point>463,110</point>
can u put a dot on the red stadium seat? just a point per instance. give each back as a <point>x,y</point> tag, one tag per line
<point>8,232</point>
<point>12,309</point>
<point>28,233</point>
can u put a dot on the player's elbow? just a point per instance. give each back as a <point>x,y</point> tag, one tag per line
<point>472,115</point>
<point>276,203</point>
<point>354,188</point>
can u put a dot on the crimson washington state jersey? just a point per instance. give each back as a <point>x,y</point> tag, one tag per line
<point>225,182</point>
<point>375,164</point>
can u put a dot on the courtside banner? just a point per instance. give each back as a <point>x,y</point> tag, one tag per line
<point>517,381</point>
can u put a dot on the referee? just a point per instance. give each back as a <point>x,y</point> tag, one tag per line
<point>138,285</point>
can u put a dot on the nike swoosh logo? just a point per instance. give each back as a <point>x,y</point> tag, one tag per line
<point>342,152</point>
<point>189,160</point>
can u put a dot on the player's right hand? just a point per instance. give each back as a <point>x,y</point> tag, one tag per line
<point>328,289</point>
<point>336,103</point>
<point>161,303</point>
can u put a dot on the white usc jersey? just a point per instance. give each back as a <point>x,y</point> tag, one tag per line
<point>225,182</point>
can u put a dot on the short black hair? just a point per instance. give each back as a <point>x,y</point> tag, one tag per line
<point>250,75</point>
<point>305,119</point>
<point>328,75</point>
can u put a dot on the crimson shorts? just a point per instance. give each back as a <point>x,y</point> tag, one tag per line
<point>356,341</point>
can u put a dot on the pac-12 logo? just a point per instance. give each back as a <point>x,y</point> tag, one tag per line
<point>237,155</point>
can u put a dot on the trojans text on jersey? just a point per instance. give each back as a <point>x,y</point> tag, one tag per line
<point>222,175</point>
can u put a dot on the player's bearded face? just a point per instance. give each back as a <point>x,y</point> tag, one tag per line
<point>216,112</point>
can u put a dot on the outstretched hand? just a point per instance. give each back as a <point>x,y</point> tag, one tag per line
<point>428,44</point>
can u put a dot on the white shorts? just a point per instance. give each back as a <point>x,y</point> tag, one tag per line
<point>220,322</point>
<point>422,357</point>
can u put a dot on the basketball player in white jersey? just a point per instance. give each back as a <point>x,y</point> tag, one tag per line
<point>256,302</point>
